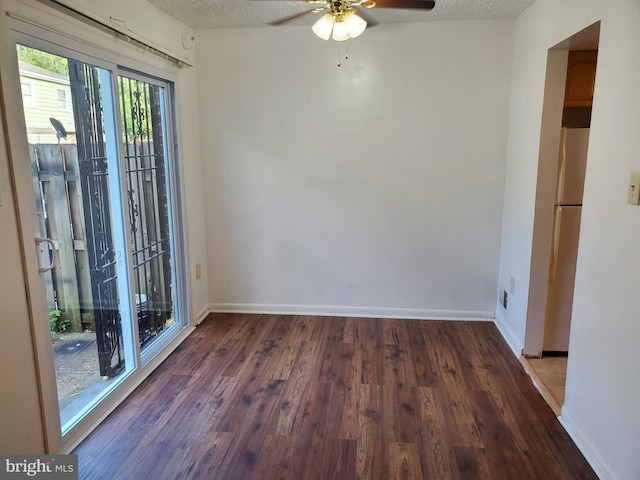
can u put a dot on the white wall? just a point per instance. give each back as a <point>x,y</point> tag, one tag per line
<point>143,21</point>
<point>602,394</point>
<point>193,191</point>
<point>372,189</point>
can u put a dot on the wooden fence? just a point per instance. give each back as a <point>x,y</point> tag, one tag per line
<point>61,218</point>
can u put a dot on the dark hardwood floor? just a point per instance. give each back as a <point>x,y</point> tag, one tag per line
<point>303,397</point>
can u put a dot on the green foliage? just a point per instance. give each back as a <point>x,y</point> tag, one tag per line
<point>45,60</point>
<point>136,96</point>
<point>135,109</point>
<point>57,322</point>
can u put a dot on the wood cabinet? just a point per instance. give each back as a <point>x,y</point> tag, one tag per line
<point>581,77</point>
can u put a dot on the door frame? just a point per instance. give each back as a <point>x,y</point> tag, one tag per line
<point>550,138</point>
<point>55,41</point>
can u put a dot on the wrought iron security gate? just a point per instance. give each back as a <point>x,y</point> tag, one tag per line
<point>141,105</point>
<point>85,90</point>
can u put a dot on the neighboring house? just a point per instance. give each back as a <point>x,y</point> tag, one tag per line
<point>45,94</point>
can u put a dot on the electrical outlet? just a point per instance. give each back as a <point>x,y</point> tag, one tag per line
<point>198,271</point>
<point>512,285</point>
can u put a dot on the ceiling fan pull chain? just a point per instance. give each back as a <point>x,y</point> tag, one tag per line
<point>346,55</point>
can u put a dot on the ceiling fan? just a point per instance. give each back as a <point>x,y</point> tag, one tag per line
<point>345,19</point>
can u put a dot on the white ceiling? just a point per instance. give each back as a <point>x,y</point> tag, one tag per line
<point>200,14</point>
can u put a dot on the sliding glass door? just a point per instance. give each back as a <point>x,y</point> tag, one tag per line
<point>109,239</point>
<point>144,124</point>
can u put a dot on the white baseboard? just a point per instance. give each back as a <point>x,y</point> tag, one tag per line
<point>510,337</point>
<point>201,315</point>
<point>584,445</point>
<point>346,311</point>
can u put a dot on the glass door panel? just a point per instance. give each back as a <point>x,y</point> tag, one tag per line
<point>69,115</point>
<point>143,106</point>
<point>110,230</point>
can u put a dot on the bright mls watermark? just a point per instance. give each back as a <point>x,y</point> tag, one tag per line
<point>51,467</point>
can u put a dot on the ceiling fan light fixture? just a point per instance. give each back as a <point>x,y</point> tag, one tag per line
<point>355,24</point>
<point>323,27</point>
<point>340,32</point>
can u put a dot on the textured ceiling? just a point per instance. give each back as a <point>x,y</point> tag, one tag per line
<point>256,13</point>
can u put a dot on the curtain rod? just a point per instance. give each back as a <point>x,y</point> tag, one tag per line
<point>118,28</point>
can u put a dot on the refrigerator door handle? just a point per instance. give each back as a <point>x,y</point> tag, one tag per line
<point>562,166</point>
<point>557,224</point>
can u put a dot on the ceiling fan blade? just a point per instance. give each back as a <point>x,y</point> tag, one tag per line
<point>292,17</point>
<point>371,22</point>
<point>412,4</point>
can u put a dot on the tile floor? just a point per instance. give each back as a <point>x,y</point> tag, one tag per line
<point>549,374</point>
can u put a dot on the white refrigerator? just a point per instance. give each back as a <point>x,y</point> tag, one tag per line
<point>566,232</point>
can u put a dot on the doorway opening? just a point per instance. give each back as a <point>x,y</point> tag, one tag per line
<point>566,118</point>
